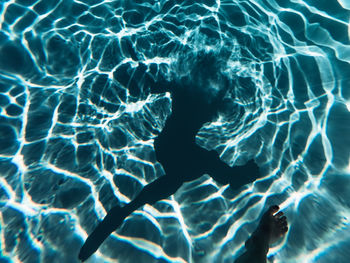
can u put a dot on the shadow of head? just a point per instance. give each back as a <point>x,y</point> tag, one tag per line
<point>202,83</point>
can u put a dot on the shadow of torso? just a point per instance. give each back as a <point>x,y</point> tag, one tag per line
<point>175,146</point>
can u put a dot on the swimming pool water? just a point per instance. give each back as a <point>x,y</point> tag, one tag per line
<point>78,121</point>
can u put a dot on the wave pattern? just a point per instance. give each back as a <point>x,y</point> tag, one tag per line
<point>78,122</point>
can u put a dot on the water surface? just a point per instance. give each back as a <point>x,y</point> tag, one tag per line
<point>78,121</point>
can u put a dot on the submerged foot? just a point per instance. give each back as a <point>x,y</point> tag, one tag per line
<point>111,222</point>
<point>271,228</point>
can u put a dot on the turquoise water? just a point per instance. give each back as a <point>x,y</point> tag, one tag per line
<point>78,122</point>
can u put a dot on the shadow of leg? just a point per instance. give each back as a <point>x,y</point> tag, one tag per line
<point>155,191</point>
<point>236,176</point>
<point>111,222</point>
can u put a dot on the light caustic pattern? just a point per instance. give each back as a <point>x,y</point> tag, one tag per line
<point>78,122</point>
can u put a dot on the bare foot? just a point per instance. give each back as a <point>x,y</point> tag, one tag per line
<point>271,228</point>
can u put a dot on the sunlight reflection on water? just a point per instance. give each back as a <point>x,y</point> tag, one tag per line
<point>78,122</point>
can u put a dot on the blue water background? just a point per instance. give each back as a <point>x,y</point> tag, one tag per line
<point>77,125</point>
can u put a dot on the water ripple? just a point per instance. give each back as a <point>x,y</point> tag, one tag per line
<point>79,116</point>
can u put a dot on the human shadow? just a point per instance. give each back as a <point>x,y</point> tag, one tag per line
<point>182,159</point>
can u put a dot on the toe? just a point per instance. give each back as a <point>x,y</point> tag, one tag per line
<point>279,214</point>
<point>273,209</point>
<point>283,218</point>
<point>282,223</point>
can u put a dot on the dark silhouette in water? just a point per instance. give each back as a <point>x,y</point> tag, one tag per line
<point>182,159</point>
